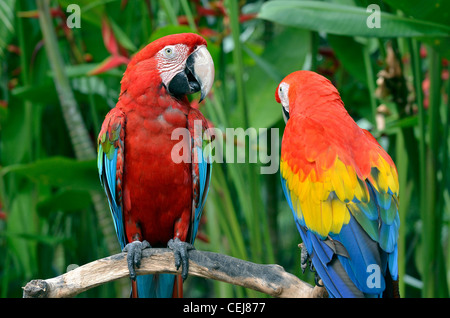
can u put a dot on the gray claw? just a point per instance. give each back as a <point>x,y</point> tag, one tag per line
<point>317,280</point>
<point>180,250</point>
<point>134,255</point>
<point>304,258</point>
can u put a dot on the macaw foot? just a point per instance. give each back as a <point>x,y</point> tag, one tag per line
<point>180,250</point>
<point>304,257</point>
<point>317,280</point>
<point>134,255</point>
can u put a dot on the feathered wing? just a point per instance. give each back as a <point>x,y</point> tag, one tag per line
<point>200,144</point>
<point>110,162</point>
<point>201,167</point>
<point>346,211</point>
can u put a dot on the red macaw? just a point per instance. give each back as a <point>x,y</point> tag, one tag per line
<point>342,188</point>
<point>154,200</point>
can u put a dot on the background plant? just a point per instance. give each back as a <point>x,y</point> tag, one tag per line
<point>393,80</point>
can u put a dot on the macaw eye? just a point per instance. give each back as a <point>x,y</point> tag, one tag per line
<point>169,52</point>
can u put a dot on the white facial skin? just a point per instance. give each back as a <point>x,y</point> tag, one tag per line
<point>171,61</point>
<point>283,94</point>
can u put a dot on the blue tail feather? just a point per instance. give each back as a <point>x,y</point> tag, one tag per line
<point>363,258</point>
<point>332,273</point>
<point>155,286</point>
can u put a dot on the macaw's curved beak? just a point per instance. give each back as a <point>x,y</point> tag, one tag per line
<point>198,75</point>
<point>285,115</point>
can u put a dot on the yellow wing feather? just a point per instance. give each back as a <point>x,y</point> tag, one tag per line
<point>321,199</point>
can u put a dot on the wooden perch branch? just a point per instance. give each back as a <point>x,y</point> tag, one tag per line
<point>269,279</point>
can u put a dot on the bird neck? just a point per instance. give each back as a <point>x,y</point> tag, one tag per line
<point>316,96</point>
<point>316,105</point>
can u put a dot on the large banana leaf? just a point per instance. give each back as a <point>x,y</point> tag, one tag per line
<point>347,20</point>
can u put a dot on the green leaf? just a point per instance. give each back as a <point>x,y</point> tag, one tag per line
<point>410,121</point>
<point>3,114</point>
<point>437,11</point>
<point>44,92</point>
<point>170,29</point>
<point>122,37</point>
<point>281,57</point>
<point>16,133</point>
<point>36,238</point>
<point>7,21</point>
<point>81,70</point>
<point>60,172</point>
<point>65,200</point>
<point>22,208</point>
<point>346,20</point>
<point>350,54</point>
<point>90,10</point>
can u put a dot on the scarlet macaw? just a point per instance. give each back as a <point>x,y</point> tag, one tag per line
<point>154,200</point>
<point>342,188</point>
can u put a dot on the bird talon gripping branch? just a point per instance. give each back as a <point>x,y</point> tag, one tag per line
<point>134,255</point>
<point>180,250</point>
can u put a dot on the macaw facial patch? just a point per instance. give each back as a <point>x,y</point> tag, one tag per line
<point>171,60</point>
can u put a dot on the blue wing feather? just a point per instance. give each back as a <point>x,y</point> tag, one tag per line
<point>107,172</point>
<point>116,208</point>
<point>204,177</point>
<point>110,147</point>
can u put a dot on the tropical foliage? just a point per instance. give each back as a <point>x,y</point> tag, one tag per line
<point>59,79</point>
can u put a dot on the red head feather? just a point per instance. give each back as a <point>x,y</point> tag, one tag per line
<point>308,90</point>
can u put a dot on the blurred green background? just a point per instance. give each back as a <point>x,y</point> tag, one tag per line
<point>57,83</point>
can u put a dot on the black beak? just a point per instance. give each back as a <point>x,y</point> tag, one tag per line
<point>198,75</point>
<point>285,114</point>
<point>184,82</point>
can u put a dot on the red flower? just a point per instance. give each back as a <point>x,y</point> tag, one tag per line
<point>118,56</point>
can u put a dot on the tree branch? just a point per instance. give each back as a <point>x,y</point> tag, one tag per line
<point>269,279</point>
